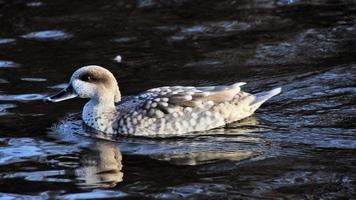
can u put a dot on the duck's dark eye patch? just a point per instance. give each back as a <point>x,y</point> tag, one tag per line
<point>87,78</point>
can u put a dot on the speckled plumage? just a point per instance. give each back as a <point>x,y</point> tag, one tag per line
<point>163,111</point>
<point>178,110</point>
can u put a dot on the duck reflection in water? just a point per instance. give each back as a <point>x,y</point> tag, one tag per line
<point>100,163</point>
<point>100,166</point>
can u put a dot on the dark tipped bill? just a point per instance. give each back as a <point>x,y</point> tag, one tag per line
<point>65,94</point>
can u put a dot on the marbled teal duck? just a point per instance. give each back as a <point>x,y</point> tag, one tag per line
<point>162,111</point>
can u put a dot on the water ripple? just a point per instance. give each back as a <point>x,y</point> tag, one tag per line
<point>5,107</point>
<point>34,79</point>
<point>7,41</point>
<point>94,194</point>
<point>34,4</point>
<point>212,29</point>
<point>8,64</point>
<point>48,35</point>
<point>21,97</point>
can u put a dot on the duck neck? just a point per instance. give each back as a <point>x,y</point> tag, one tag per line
<point>100,114</point>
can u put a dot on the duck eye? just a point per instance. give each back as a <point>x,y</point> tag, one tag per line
<point>87,78</point>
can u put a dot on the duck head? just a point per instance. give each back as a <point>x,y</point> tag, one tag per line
<point>93,82</point>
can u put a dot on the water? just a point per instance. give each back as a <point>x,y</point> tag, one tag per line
<point>299,145</point>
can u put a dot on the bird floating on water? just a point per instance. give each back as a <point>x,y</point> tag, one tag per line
<point>162,111</point>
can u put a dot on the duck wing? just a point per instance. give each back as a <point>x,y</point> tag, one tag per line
<point>174,98</point>
<point>161,101</point>
<point>174,110</point>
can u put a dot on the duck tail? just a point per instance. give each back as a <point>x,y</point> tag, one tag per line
<point>261,97</point>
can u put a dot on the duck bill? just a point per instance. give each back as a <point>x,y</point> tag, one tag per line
<point>65,94</point>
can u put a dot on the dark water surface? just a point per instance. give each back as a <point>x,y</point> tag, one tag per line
<point>299,145</point>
